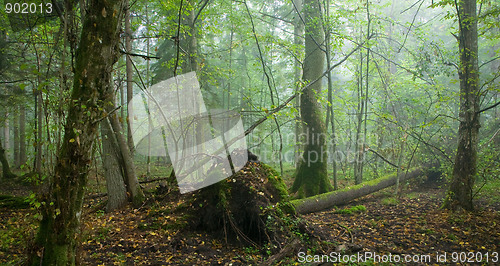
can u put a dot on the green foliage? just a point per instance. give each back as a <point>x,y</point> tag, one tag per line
<point>12,202</point>
<point>352,210</point>
<point>392,201</point>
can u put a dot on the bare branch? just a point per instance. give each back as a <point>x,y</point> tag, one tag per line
<point>383,158</point>
<point>199,11</point>
<point>411,25</point>
<point>489,61</point>
<point>488,108</point>
<point>145,57</point>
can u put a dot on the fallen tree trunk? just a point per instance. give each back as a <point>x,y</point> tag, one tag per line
<point>343,196</point>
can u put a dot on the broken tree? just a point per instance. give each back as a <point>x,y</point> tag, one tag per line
<point>343,196</point>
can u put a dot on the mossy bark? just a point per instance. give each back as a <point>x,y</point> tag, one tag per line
<point>311,176</point>
<point>251,206</point>
<point>460,193</point>
<point>343,196</point>
<point>57,238</point>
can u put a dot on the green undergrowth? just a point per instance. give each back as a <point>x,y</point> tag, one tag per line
<point>489,190</point>
<point>390,201</point>
<point>12,202</point>
<point>353,209</point>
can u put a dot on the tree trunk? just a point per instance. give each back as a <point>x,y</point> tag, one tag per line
<point>358,155</point>
<point>311,176</point>
<point>5,163</point>
<point>39,129</point>
<point>117,193</point>
<point>129,76</point>
<point>343,196</point>
<point>460,192</point>
<point>148,83</point>
<point>330,115</point>
<point>6,136</point>
<point>15,126</point>
<point>22,135</point>
<point>136,194</point>
<point>192,38</point>
<point>298,30</point>
<point>400,164</point>
<point>97,52</point>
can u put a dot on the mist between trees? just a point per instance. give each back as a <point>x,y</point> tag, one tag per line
<point>328,93</point>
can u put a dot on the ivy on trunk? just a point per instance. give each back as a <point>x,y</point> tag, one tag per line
<point>57,238</point>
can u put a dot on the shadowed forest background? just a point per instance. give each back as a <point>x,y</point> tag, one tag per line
<point>371,126</point>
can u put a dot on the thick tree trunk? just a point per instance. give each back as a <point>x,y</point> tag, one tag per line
<point>97,52</point>
<point>464,171</point>
<point>343,196</point>
<point>115,184</point>
<point>5,163</point>
<point>311,176</point>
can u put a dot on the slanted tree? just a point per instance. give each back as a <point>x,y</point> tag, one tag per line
<point>311,175</point>
<point>115,184</point>
<point>126,160</point>
<point>56,241</point>
<point>460,193</point>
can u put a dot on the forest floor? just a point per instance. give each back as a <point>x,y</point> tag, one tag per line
<point>378,224</point>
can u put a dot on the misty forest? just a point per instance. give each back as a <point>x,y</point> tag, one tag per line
<point>323,132</point>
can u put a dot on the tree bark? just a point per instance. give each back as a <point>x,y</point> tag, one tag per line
<point>57,238</point>
<point>5,164</point>
<point>343,196</point>
<point>117,192</point>
<point>22,135</point>
<point>298,30</point>
<point>129,76</point>
<point>136,194</point>
<point>330,115</point>
<point>15,126</point>
<point>6,136</point>
<point>192,38</point>
<point>39,129</point>
<point>311,176</point>
<point>460,193</point>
